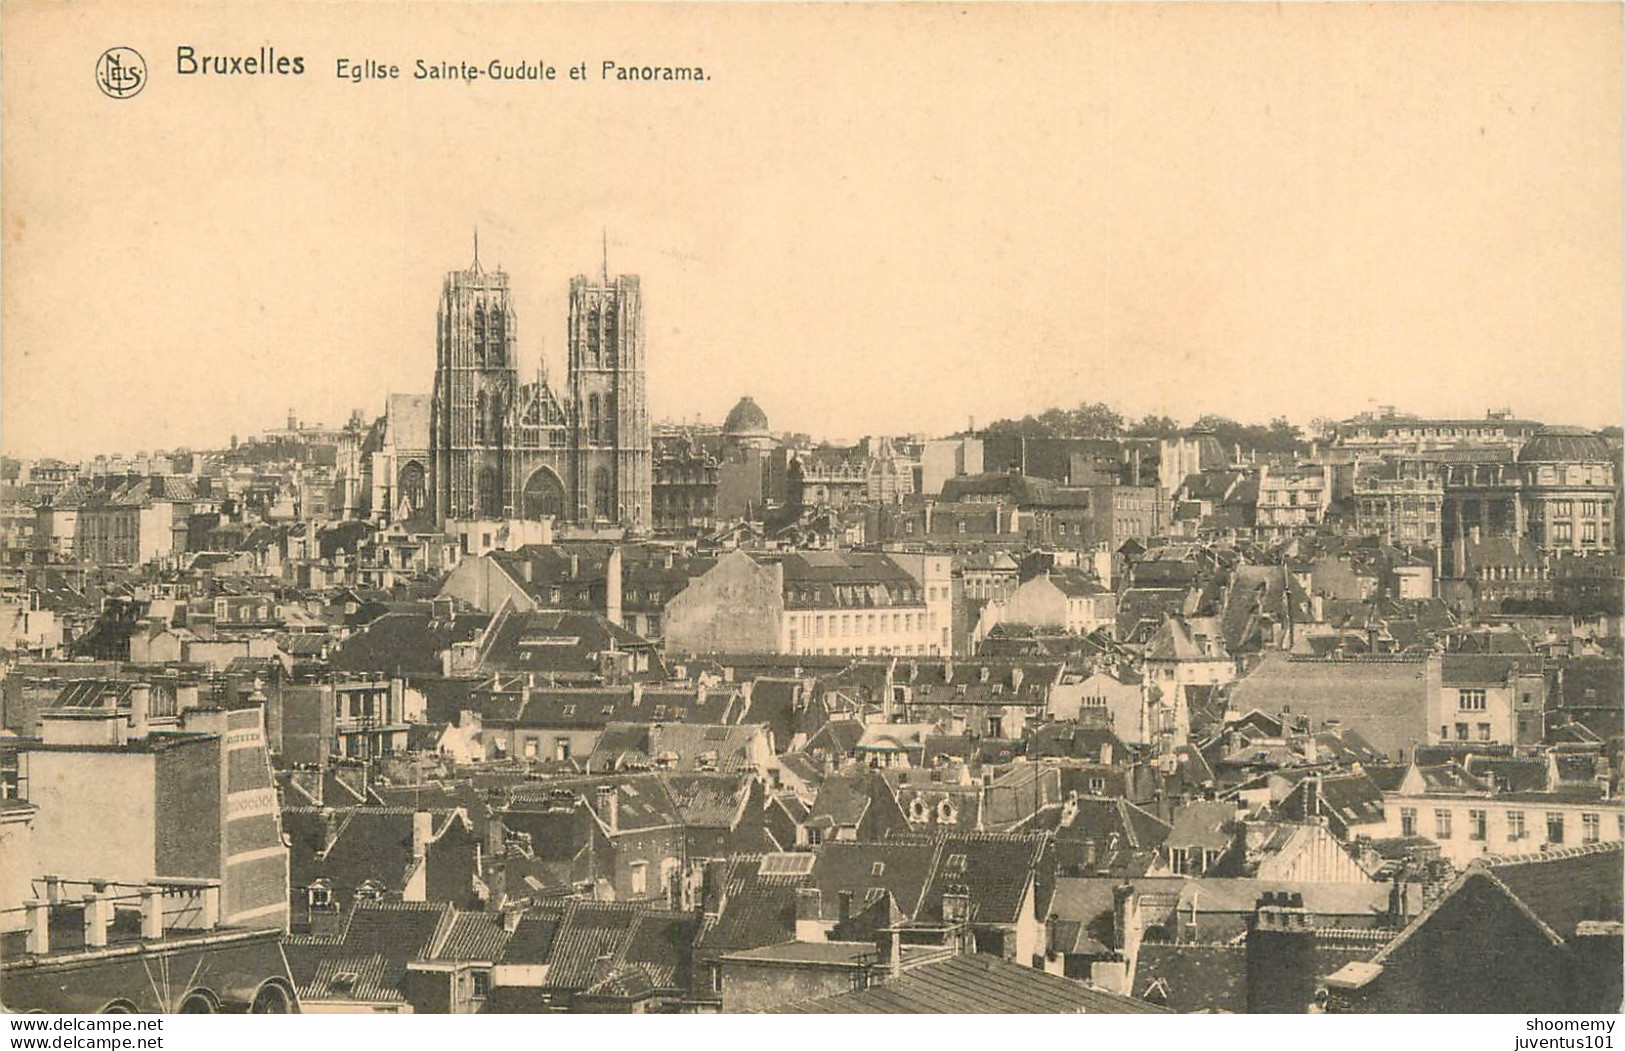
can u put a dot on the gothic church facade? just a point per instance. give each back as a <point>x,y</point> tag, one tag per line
<point>495,448</point>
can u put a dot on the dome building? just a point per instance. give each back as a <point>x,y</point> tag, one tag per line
<point>747,425</point>
<point>1568,490</point>
<point>1560,494</point>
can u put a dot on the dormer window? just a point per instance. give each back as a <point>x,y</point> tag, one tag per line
<point>370,890</point>
<point>319,895</point>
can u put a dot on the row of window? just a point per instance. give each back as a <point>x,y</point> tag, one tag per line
<point>811,625</point>
<point>1516,825</point>
<point>1466,732</point>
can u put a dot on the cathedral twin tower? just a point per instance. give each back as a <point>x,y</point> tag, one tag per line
<point>502,449</point>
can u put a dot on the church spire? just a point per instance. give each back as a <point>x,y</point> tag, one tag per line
<point>476,266</point>
<point>606,256</point>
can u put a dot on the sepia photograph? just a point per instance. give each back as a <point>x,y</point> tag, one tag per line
<point>830,508</point>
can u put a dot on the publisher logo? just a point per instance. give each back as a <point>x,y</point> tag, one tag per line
<point>121,72</point>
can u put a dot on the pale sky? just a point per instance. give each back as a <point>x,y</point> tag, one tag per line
<point>872,220</point>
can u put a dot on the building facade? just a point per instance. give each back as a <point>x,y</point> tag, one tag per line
<point>500,449</point>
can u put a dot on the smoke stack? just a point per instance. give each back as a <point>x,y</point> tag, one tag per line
<point>612,587</point>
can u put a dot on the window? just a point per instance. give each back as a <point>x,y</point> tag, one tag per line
<point>1477,824</point>
<point>1407,821</point>
<point>1591,828</point>
<point>1441,824</point>
<point>640,877</point>
<point>1515,826</point>
<point>530,748</point>
<point>561,749</point>
<point>1461,732</point>
<point>1554,826</point>
<point>1483,731</point>
<point>1471,700</point>
<point>481,982</point>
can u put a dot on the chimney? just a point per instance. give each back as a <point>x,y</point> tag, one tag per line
<point>511,917</point>
<point>1127,920</point>
<point>1282,974</point>
<point>609,807</point>
<point>956,904</point>
<point>422,832</point>
<point>140,709</point>
<point>809,914</point>
<point>612,586</point>
<point>527,569</point>
<point>1311,796</point>
<point>845,908</point>
<point>575,565</point>
<point>1016,677</point>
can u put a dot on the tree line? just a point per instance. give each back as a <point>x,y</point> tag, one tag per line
<point>1099,420</point>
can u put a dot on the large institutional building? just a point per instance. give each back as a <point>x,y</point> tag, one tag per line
<point>486,446</point>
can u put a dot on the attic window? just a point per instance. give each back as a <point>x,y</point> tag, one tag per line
<point>609,709</point>
<point>956,864</point>
<point>569,709</point>
<point>878,869</point>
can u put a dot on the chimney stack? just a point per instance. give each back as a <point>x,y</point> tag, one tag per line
<point>1281,969</point>
<point>609,807</point>
<point>612,587</point>
<point>422,832</point>
<point>809,915</point>
<point>140,709</point>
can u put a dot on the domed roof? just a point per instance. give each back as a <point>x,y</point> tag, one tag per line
<point>746,418</point>
<point>1563,445</point>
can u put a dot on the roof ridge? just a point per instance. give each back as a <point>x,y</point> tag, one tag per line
<point>1491,861</point>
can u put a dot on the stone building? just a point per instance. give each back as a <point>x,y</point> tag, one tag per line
<point>486,446</point>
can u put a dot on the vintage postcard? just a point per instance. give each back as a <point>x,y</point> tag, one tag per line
<point>812,508</point>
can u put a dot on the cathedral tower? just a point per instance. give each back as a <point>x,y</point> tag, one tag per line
<point>475,383</point>
<point>613,476</point>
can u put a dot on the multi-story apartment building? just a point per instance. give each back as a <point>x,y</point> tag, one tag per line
<point>846,603</point>
<point>1469,823</point>
<point>1399,500</point>
<point>1292,501</point>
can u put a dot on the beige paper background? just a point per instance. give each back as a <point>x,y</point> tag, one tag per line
<point>873,219</point>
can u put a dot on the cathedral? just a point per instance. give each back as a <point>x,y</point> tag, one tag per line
<point>486,446</point>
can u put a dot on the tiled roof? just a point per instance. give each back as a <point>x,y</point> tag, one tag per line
<point>474,936</point>
<point>1566,887</point>
<point>757,909</point>
<point>974,984</point>
<point>996,869</point>
<point>407,642</point>
<point>902,869</point>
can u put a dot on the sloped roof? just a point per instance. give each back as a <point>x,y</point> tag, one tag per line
<point>757,909</point>
<point>1567,887</point>
<point>995,868</point>
<point>974,984</point>
<point>1384,700</point>
<point>407,642</point>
